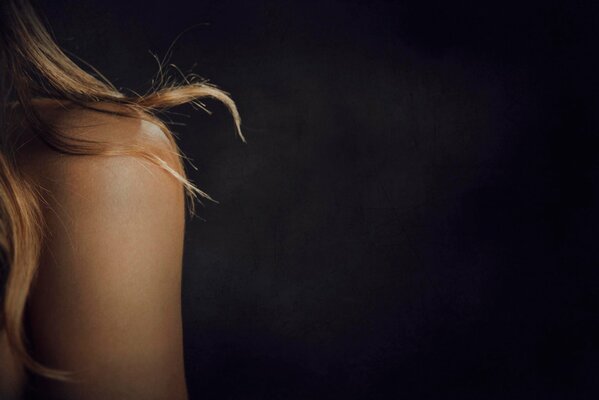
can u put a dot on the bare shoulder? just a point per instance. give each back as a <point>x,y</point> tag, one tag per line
<point>106,302</point>
<point>79,122</point>
<point>82,177</point>
<point>97,122</point>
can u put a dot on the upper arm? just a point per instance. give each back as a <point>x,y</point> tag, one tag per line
<point>107,303</point>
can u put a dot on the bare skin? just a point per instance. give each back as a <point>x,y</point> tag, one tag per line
<point>107,301</point>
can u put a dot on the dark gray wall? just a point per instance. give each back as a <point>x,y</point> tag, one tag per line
<point>415,215</point>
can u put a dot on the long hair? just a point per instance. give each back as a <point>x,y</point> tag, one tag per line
<point>33,66</point>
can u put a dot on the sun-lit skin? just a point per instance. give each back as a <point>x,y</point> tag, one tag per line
<point>92,215</point>
<point>106,303</point>
<point>92,218</point>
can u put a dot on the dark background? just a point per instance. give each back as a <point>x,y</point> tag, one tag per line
<point>415,213</point>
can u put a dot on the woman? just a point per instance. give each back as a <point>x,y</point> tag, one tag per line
<point>91,226</point>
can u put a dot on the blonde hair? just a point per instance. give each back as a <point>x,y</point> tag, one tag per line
<point>33,66</point>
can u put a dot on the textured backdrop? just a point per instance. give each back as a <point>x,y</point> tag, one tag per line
<point>415,213</point>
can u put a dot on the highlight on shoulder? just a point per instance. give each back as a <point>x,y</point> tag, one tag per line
<point>114,131</point>
<point>79,123</point>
